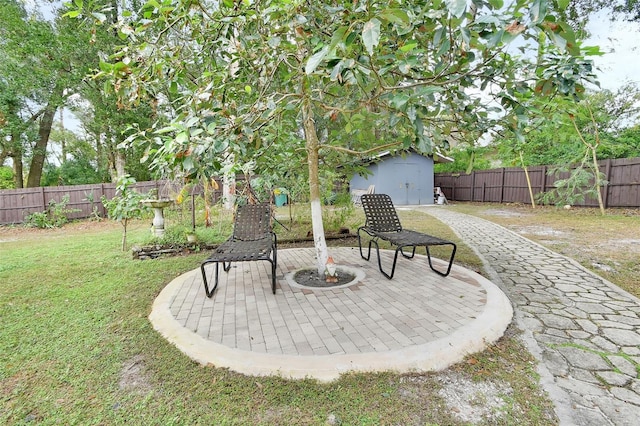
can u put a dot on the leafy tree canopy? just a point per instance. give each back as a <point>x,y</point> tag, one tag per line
<point>237,76</point>
<point>550,138</point>
<point>578,11</point>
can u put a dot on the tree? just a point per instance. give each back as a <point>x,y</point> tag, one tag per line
<point>564,132</point>
<point>239,76</point>
<point>590,123</point>
<point>43,63</point>
<point>625,145</point>
<point>578,11</point>
<point>125,206</point>
<point>550,135</point>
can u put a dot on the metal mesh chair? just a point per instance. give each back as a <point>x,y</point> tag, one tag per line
<point>382,223</point>
<point>252,240</point>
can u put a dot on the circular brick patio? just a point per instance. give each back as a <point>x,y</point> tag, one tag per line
<point>418,321</point>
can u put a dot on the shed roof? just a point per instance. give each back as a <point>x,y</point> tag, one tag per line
<point>437,156</point>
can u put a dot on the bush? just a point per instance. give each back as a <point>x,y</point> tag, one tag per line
<point>6,178</point>
<point>54,217</point>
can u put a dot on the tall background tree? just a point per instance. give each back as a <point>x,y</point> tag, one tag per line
<point>578,11</point>
<point>46,68</point>
<point>44,62</point>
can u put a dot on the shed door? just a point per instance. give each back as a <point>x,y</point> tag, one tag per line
<point>409,185</point>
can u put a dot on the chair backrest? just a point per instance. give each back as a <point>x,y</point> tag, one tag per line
<point>253,222</point>
<point>380,213</point>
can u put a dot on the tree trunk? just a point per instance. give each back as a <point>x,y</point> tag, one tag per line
<point>598,182</point>
<point>312,146</point>
<point>40,150</point>
<point>18,170</point>
<point>124,234</point>
<point>102,163</point>
<point>229,183</point>
<point>526,175</point>
<point>120,163</point>
<point>16,156</point>
<point>63,139</point>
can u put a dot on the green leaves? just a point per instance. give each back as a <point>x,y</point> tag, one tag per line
<point>371,35</point>
<point>408,68</point>
<point>395,16</point>
<point>456,7</point>
<point>538,11</point>
<point>315,60</point>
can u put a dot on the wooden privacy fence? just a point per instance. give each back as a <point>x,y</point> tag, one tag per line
<point>17,204</point>
<point>509,185</point>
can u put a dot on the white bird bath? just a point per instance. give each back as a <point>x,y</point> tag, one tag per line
<point>158,206</point>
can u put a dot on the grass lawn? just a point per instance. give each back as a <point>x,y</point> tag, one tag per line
<point>76,347</point>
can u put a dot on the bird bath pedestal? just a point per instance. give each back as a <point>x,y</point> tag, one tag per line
<point>158,214</point>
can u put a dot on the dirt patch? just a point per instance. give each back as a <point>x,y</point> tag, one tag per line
<point>505,213</point>
<point>541,231</point>
<point>133,376</point>
<point>474,402</point>
<point>623,244</point>
<point>21,232</point>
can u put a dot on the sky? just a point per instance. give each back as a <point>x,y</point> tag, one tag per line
<point>621,42</point>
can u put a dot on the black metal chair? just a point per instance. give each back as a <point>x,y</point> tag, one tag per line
<point>382,223</point>
<point>252,240</point>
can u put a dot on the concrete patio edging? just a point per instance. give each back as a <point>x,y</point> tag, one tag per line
<point>435,355</point>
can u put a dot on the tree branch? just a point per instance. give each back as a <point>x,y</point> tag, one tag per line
<point>355,152</point>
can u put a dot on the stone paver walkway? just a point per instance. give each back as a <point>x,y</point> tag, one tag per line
<point>584,330</point>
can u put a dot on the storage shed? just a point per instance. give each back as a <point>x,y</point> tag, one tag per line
<point>406,176</point>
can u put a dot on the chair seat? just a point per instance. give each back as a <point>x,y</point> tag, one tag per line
<point>237,251</point>
<point>410,238</point>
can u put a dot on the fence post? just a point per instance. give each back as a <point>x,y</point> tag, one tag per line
<point>42,197</point>
<point>484,190</point>
<point>473,185</point>
<point>502,186</point>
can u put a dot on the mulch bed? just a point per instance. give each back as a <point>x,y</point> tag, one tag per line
<point>311,278</point>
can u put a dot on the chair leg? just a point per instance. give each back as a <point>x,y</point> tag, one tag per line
<point>204,278</point>
<point>360,247</point>
<point>380,261</point>
<point>453,253</point>
<point>273,277</point>
<point>413,252</point>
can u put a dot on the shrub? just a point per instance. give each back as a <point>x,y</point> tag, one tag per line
<point>126,205</point>
<point>6,178</point>
<point>54,217</point>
